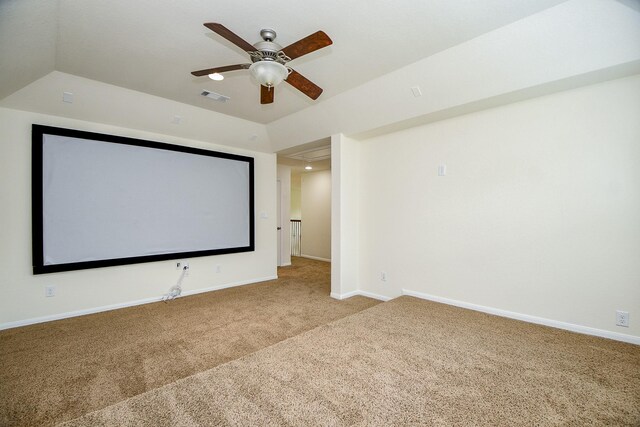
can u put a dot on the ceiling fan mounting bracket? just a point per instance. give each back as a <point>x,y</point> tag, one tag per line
<point>268,34</point>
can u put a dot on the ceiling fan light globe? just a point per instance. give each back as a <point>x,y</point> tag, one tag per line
<point>216,76</point>
<point>268,73</point>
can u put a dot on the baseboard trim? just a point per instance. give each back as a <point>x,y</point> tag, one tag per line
<point>361,293</point>
<point>374,296</point>
<point>315,257</point>
<point>631,339</point>
<point>336,295</point>
<point>76,313</point>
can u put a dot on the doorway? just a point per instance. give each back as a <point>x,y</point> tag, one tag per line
<point>308,213</point>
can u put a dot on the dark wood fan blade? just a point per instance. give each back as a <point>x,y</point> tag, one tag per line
<point>266,94</point>
<point>304,85</point>
<point>308,44</point>
<point>220,69</point>
<point>229,35</point>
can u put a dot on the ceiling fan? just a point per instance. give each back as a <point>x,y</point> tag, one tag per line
<point>269,60</point>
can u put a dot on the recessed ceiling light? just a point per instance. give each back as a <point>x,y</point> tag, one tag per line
<point>216,76</point>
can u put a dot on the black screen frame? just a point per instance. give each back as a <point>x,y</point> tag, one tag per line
<point>37,142</point>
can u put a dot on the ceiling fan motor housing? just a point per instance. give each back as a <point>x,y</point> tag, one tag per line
<point>269,51</point>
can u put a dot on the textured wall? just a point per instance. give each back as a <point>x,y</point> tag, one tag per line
<point>23,296</point>
<point>316,214</point>
<point>538,212</point>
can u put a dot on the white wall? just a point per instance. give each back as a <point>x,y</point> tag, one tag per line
<point>316,215</point>
<point>99,102</point>
<point>344,216</point>
<point>22,293</point>
<point>539,212</point>
<point>284,178</point>
<point>296,196</point>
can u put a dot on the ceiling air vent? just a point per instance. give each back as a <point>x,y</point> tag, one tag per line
<point>215,96</point>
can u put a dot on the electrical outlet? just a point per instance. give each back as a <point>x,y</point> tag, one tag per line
<point>218,268</point>
<point>178,265</point>
<point>622,318</point>
<point>49,291</point>
<point>383,276</point>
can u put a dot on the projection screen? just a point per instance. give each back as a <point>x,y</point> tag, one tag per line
<point>102,200</point>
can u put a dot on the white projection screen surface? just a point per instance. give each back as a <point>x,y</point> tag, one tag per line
<point>102,200</point>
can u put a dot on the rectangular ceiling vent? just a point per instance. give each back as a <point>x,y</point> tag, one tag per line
<point>215,96</point>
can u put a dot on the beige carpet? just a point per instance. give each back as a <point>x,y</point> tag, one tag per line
<point>406,362</point>
<point>61,370</point>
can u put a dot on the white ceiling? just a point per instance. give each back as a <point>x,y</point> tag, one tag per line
<point>316,154</point>
<point>152,45</point>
